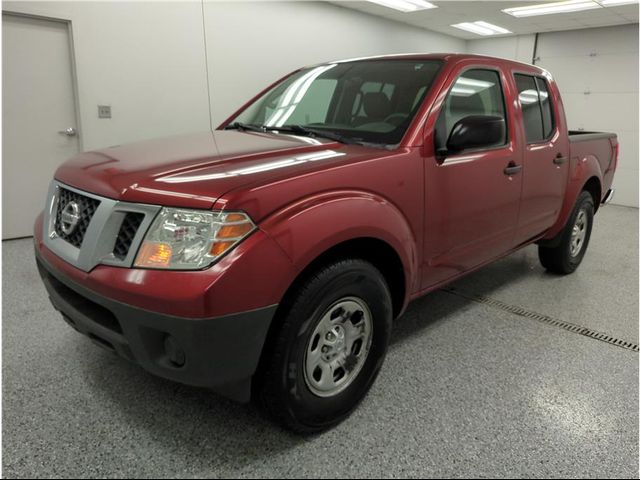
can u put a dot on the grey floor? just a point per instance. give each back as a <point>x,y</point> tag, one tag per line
<point>468,389</point>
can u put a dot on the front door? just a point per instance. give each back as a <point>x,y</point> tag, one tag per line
<point>38,109</point>
<point>472,197</point>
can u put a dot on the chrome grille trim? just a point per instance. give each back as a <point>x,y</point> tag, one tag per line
<point>88,207</point>
<point>101,234</point>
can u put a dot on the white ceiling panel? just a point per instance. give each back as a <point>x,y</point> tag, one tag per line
<point>450,12</point>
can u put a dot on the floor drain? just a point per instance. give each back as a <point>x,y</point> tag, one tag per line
<point>523,312</point>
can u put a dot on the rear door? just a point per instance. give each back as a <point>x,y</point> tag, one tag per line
<point>545,157</point>
<point>471,202</point>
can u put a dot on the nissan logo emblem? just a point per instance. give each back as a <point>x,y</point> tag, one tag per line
<point>70,217</point>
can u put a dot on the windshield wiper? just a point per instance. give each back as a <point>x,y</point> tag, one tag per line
<point>245,126</point>
<point>312,132</point>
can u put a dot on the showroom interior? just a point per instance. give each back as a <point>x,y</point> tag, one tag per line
<point>509,371</point>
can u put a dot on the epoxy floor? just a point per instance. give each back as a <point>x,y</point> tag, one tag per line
<point>467,390</point>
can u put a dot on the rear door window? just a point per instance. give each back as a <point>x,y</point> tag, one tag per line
<point>548,122</point>
<point>537,114</point>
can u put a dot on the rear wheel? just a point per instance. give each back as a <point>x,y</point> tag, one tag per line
<point>330,346</point>
<point>567,255</point>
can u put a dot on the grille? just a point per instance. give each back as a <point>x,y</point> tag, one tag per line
<point>127,232</point>
<point>86,208</point>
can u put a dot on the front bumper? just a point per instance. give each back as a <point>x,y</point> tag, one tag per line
<point>220,353</point>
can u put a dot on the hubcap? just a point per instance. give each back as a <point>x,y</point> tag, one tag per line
<point>338,347</point>
<point>579,233</point>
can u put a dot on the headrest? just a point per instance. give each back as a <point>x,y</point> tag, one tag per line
<point>376,105</point>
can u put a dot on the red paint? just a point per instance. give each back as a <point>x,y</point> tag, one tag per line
<point>442,219</point>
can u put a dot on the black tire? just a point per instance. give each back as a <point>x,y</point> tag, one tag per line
<point>282,389</point>
<point>559,259</point>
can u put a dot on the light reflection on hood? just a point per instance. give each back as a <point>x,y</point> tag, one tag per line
<point>258,168</point>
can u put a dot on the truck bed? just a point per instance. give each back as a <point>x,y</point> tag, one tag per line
<point>602,146</point>
<point>584,136</point>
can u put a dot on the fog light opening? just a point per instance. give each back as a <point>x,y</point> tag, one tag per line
<point>175,354</point>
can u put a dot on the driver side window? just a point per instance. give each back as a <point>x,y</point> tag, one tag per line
<point>475,92</point>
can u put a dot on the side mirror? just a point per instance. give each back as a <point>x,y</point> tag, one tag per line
<point>476,131</point>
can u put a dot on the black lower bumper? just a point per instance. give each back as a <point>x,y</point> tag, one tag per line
<point>219,353</point>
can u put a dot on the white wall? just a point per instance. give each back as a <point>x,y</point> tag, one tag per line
<point>518,47</point>
<point>597,73</point>
<point>251,44</point>
<point>147,59</point>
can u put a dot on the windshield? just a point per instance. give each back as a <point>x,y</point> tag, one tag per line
<point>371,101</point>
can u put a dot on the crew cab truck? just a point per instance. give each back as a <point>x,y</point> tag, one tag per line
<point>268,259</point>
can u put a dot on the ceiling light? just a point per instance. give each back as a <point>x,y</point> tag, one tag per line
<point>481,28</point>
<point>405,5</point>
<point>490,26</point>
<point>555,7</point>
<point>615,3</point>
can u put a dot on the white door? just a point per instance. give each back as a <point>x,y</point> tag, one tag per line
<point>37,103</point>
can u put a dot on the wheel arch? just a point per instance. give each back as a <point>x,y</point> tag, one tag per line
<point>594,187</point>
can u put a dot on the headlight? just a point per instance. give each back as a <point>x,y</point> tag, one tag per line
<point>191,239</point>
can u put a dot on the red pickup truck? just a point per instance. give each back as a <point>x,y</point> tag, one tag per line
<point>269,258</point>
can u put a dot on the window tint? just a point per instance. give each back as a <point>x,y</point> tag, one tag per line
<point>548,123</point>
<point>536,107</point>
<point>475,92</point>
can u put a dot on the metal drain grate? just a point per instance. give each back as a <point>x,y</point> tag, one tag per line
<point>571,327</point>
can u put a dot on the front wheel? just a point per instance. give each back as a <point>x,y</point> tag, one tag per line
<point>565,257</point>
<point>329,348</point>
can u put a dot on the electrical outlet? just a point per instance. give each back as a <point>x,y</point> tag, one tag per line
<point>104,111</point>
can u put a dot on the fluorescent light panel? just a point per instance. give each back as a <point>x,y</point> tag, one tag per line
<point>481,28</point>
<point>405,5</point>
<point>555,7</point>
<point>615,3</point>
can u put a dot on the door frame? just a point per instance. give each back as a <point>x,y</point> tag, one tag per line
<point>72,59</point>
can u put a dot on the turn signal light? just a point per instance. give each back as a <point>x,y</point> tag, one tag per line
<point>234,231</point>
<point>154,254</point>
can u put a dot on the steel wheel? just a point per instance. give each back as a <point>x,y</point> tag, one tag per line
<point>338,347</point>
<point>578,233</point>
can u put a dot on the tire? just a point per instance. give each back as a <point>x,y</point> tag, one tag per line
<point>567,255</point>
<point>341,295</point>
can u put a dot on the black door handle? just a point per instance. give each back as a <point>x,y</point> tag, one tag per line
<point>559,160</point>
<point>512,169</point>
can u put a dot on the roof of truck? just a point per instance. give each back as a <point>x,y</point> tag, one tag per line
<point>432,56</point>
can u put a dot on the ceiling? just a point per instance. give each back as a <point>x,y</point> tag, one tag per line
<point>450,12</point>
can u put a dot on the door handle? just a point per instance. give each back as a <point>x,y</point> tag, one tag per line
<point>512,169</point>
<point>69,132</point>
<point>559,160</point>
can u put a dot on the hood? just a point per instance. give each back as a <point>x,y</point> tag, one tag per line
<point>195,170</point>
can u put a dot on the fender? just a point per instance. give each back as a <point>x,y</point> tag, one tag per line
<point>310,226</point>
<point>580,171</point>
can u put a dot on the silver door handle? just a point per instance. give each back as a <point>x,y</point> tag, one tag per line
<point>69,132</point>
